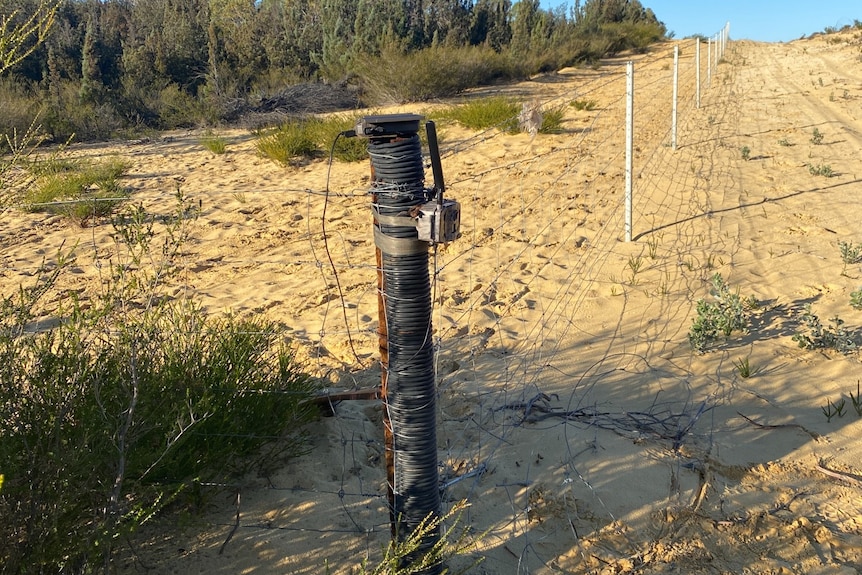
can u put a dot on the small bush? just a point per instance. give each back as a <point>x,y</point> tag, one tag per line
<point>131,400</point>
<point>816,137</point>
<point>310,137</point>
<point>856,299</point>
<point>850,254</point>
<point>19,109</point>
<point>824,170</point>
<point>721,317</point>
<point>815,335</point>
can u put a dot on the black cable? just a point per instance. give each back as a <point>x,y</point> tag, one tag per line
<point>329,255</point>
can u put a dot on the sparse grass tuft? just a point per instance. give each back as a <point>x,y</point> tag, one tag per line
<point>496,112</point>
<point>856,400</point>
<point>325,131</point>
<point>744,367</point>
<point>552,121</point>
<point>584,105</point>
<point>288,143</point>
<point>81,190</point>
<point>831,409</point>
<point>214,143</point>
<point>745,151</point>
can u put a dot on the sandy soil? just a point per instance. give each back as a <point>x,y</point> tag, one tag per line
<point>669,461</point>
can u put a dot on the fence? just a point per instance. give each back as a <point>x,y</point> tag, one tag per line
<point>557,231</point>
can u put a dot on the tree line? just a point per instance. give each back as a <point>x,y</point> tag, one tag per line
<point>113,64</point>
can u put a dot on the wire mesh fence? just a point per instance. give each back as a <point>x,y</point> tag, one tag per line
<point>519,360</point>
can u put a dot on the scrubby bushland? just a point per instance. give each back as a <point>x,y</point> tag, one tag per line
<point>115,404</point>
<point>108,66</point>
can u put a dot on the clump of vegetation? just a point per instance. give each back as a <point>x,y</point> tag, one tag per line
<point>744,368</point>
<point>441,71</point>
<point>498,112</point>
<point>552,121</point>
<point>745,151</point>
<point>824,170</point>
<point>815,335</point>
<point>816,137</point>
<point>214,143</point>
<point>80,189</point>
<point>325,131</point>
<point>129,402</point>
<point>410,554</point>
<point>850,254</point>
<point>831,409</point>
<point>725,313</point>
<point>288,143</point>
<point>856,299</point>
<point>304,138</point>
<point>856,400</point>
<point>584,105</point>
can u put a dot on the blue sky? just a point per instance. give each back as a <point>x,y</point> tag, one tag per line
<point>764,20</point>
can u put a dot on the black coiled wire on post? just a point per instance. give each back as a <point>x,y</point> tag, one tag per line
<point>406,291</point>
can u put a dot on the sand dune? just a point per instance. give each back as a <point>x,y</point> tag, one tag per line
<point>590,438</point>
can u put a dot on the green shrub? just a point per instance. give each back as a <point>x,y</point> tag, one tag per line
<point>850,254</point>
<point>824,170</point>
<point>815,335</point>
<point>726,313</point>
<point>19,109</point>
<point>816,137</point>
<point>129,401</point>
<point>856,299</point>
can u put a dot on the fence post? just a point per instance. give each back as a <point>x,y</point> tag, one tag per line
<point>404,306</point>
<point>709,61</point>
<point>697,71</point>
<point>675,94</point>
<point>630,128</point>
<point>717,50</point>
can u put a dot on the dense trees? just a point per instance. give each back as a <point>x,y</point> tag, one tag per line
<point>170,62</point>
